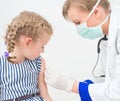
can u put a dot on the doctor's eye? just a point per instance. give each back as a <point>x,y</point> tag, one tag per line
<point>77,22</point>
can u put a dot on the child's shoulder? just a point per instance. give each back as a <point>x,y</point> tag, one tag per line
<point>2,60</point>
<point>38,59</point>
<point>38,62</point>
<point>2,57</point>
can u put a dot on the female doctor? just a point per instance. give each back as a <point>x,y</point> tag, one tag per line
<point>93,19</point>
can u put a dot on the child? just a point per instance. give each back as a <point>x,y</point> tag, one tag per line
<point>22,67</point>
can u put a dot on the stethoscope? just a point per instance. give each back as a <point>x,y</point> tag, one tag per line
<point>98,51</point>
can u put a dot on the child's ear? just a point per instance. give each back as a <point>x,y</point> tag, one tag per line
<point>27,41</point>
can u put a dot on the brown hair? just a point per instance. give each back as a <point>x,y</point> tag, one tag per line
<point>85,5</point>
<point>26,23</point>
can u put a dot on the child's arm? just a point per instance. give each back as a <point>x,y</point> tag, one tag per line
<point>42,84</point>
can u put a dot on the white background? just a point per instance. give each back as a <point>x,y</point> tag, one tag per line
<point>66,53</point>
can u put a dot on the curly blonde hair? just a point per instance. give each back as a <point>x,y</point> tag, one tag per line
<point>85,5</point>
<point>26,23</point>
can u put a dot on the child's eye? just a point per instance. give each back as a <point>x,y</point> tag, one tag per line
<point>43,47</point>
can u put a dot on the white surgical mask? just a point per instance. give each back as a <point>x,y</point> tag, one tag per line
<point>91,32</point>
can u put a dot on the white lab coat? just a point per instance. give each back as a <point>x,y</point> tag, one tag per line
<point>109,90</point>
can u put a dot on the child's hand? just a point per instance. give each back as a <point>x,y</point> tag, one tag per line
<point>59,81</point>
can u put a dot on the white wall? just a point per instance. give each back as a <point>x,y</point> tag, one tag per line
<point>66,52</point>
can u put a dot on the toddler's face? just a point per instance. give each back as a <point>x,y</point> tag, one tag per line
<point>35,48</point>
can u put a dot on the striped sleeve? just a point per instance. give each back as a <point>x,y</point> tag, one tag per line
<point>38,63</point>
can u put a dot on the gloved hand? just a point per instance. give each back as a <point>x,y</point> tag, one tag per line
<point>59,81</point>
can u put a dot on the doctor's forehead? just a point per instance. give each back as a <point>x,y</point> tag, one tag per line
<point>76,14</point>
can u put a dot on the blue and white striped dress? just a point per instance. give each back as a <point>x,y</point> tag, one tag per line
<point>19,79</point>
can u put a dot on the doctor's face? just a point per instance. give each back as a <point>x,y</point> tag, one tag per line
<point>78,16</point>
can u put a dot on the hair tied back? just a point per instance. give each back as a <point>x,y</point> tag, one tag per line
<point>6,54</point>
